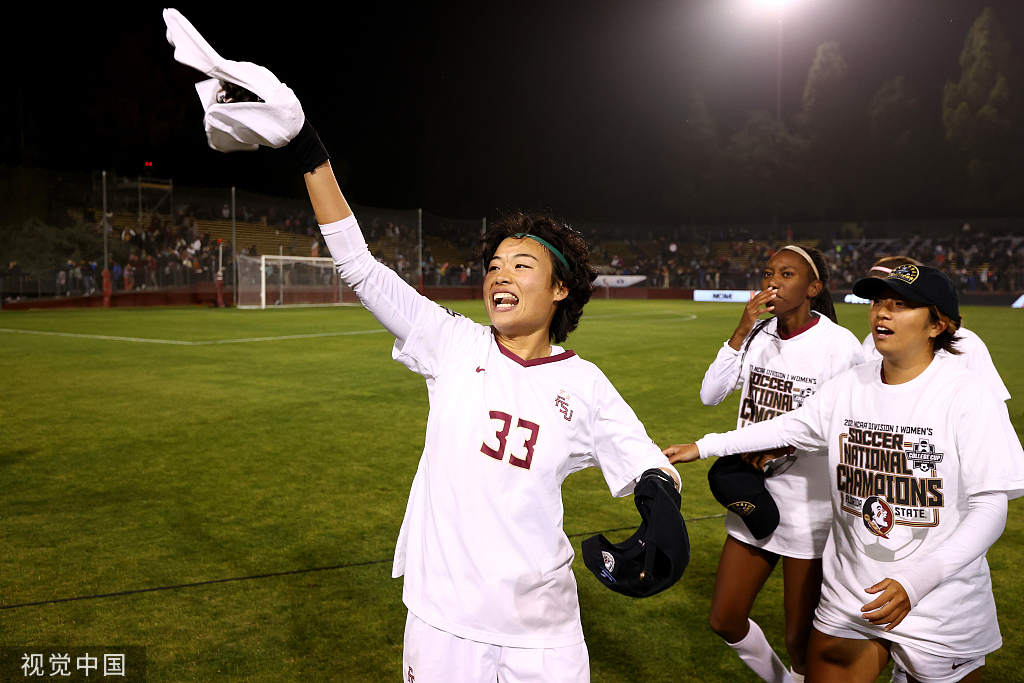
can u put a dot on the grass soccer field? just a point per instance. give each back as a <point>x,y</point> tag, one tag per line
<point>154,448</point>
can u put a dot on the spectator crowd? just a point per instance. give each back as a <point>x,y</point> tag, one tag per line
<point>178,253</point>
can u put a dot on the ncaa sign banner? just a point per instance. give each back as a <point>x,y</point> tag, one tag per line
<point>1019,303</point>
<point>736,295</point>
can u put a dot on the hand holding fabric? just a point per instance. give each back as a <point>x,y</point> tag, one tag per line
<point>235,126</point>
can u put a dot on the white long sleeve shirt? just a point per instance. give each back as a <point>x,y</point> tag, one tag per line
<point>904,461</point>
<point>776,375</point>
<point>482,547</point>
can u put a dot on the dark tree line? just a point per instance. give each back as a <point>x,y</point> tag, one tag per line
<point>845,155</point>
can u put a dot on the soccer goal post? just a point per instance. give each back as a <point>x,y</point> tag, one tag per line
<point>277,281</point>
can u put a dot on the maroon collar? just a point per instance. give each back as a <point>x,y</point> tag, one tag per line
<point>536,361</point>
<point>812,323</point>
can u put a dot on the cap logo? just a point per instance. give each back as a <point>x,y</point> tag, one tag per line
<point>908,273</point>
<point>609,560</point>
<point>741,507</point>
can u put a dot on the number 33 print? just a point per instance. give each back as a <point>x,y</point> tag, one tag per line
<point>502,434</point>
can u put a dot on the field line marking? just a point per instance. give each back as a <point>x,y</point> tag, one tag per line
<point>671,316</point>
<point>178,342</point>
<point>292,336</point>
<point>270,575</point>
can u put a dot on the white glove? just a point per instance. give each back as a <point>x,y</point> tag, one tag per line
<point>235,126</point>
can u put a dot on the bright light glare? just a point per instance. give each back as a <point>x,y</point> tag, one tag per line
<point>771,5</point>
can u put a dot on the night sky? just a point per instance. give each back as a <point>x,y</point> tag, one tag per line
<point>462,109</point>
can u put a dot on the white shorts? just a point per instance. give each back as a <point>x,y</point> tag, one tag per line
<point>434,656</point>
<point>929,668</point>
<point>922,666</point>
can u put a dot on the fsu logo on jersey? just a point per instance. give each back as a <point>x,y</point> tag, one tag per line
<point>878,517</point>
<point>454,314</point>
<point>922,455</point>
<point>562,403</point>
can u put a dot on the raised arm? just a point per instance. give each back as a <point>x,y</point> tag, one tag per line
<point>272,117</point>
<point>329,204</point>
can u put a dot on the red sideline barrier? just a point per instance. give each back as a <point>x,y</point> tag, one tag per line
<point>202,294</point>
<point>205,294</point>
<point>468,293</point>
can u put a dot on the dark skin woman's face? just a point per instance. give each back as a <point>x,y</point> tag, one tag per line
<point>795,285</point>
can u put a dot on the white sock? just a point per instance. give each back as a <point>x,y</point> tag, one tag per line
<point>797,678</point>
<point>755,651</point>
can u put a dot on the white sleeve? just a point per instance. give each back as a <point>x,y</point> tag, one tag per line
<point>992,458</point>
<point>978,360</point>
<point>805,428</point>
<point>621,445</point>
<point>395,304</point>
<point>980,528</point>
<point>723,377</point>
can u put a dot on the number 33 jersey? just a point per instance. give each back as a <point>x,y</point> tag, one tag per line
<point>482,547</point>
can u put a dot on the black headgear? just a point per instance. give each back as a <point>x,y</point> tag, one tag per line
<point>654,557</point>
<point>740,488</point>
<point>923,284</point>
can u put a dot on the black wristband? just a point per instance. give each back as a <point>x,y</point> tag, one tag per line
<point>305,149</point>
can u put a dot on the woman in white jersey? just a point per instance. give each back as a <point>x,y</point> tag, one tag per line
<point>972,352</point>
<point>487,566</point>
<point>922,459</point>
<point>778,363</point>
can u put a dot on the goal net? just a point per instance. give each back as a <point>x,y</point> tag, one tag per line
<point>269,281</point>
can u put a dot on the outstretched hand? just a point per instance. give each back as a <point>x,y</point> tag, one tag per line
<point>273,119</point>
<point>891,607</point>
<point>687,452</point>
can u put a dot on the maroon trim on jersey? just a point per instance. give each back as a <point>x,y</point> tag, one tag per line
<point>783,335</point>
<point>536,361</point>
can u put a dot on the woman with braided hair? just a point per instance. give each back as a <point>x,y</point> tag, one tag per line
<point>778,363</point>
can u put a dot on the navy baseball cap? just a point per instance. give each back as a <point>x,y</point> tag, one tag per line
<point>655,556</point>
<point>741,489</point>
<point>922,284</point>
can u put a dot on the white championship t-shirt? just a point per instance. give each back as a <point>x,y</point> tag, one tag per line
<point>974,356</point>
<point>902,461</point>
<point>776,376</point>
<point>482,547</point>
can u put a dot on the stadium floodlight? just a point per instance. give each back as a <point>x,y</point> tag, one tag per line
<point>772,5</point>
<point>777,8</point>
<point>289,281</point>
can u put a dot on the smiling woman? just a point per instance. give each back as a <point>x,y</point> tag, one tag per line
<point>538,257</point>
<point>487,566</point>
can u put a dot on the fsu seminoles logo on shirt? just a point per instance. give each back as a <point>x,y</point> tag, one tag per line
<point>878,517</point>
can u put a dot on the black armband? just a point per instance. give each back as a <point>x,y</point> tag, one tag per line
<point>306,150</point>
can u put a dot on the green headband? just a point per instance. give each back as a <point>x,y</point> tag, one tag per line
<point>551,248</point>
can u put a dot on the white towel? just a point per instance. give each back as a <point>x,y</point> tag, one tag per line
<point>235,126</point>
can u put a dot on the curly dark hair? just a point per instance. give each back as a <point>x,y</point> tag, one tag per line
<point>578,279</point>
